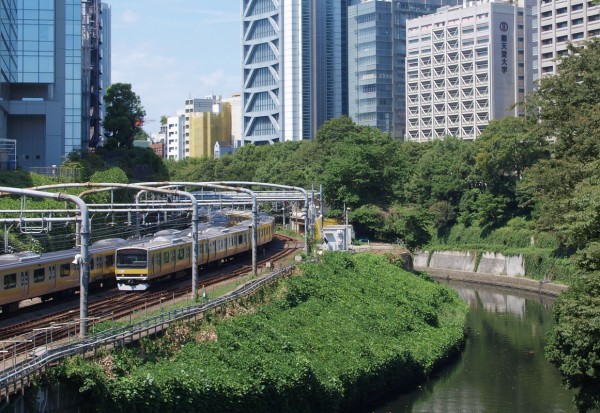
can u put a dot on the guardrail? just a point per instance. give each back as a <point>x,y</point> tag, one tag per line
<point>29,365</point>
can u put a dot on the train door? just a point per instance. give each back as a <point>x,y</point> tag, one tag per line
<point>24,285</point>
<point>52,277</point>
<point>151,264</point>
<point>158,263</point>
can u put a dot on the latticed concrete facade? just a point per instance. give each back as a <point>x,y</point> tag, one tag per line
<point>561,22</point>
<point>467,65</point>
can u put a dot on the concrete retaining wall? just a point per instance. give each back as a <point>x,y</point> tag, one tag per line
<point>497,264</point>
<point>453,260</point>
<point>493,269</point>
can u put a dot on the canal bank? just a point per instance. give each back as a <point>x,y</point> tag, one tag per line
<point>502,368</point>
<point>490,268</point>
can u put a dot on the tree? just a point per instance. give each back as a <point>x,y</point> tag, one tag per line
<point>443,173</point>
<point>574,342</point>
<point>124,115</point>
<point>409,225</point>
<point>569,103</point>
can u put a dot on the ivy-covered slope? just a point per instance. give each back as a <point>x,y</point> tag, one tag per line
<point>348,329</point>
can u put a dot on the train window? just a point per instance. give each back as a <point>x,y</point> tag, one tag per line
<point>166,257</point>
<point>65,270</point>
<point>10,281</point>
<point>92,264</point>
<point>109,260</point>
<point>157,259</point>
<point>180,254</point>
<point>240,239</point>
<point>132,258</point>
<point>39,275</point>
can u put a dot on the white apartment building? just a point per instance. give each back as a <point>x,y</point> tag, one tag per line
<point>561,22</point>
<point>467,65</point>
<point>174,146</point>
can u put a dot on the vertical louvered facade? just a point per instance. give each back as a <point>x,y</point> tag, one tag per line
<point>294,71</point>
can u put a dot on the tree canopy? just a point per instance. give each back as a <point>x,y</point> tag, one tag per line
<point>124,115</point>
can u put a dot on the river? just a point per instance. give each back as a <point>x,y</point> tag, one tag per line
<point>502,368</point>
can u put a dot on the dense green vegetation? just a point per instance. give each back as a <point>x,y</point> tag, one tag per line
<point>347,330</point>
<point>509,191</point>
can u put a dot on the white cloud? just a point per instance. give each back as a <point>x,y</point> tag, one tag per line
<point>129,16</point>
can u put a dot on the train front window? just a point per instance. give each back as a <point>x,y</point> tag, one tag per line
<point>132,259</point>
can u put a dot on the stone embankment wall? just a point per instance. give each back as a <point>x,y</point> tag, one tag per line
<point>492,269</point>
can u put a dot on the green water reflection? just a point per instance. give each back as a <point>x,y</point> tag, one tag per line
<point>502,368</point>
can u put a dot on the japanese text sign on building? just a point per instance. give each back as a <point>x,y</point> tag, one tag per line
<point>504,47</point>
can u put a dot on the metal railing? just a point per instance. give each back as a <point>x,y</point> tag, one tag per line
<point>30,364</point>
<point>66,174</point>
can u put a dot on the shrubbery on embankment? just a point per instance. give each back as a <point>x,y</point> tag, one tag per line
<point>540,251</point>
<point>347,330</point>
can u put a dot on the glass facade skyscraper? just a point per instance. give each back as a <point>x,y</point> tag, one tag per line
<point>376,60</point>
<point>35,41</point>
<point>8,55</point>
<point>42,78</point>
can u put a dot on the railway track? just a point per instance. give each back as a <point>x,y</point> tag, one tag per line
<point>27,336</point>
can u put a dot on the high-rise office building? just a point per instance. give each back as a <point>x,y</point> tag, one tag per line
<point>376,53</point>
<point>559,23</point>
<point>467,65</point>
<point>91,30</point>
<point>46,103</point>
<point>105,55</point>
<point>293,67</point>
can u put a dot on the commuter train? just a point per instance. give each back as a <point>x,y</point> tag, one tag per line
<point>26,275</point>
<point>169,252</point>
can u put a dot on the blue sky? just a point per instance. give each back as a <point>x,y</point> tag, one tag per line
<point>170,50</point>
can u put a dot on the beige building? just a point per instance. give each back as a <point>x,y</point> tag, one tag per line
<point>208,128</point>
<point>467,65</point>
<point>561,22</point>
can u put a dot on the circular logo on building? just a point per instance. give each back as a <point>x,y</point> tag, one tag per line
<point>504,26</point>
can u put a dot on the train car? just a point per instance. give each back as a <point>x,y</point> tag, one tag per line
<point>165,253</point>
<point>27,275</point>
<point>141,264</point>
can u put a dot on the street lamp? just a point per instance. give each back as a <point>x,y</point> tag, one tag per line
<point>84,279</point>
